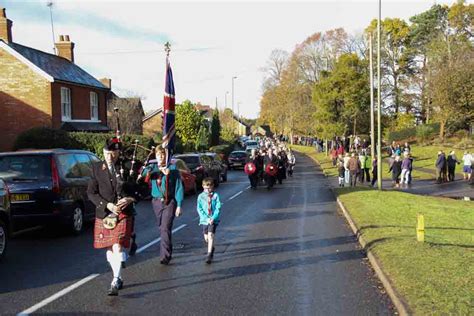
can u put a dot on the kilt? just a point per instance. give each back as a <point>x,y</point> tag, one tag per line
<point>121,234</point>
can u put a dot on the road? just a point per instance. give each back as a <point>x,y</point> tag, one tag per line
<point>279,252</point>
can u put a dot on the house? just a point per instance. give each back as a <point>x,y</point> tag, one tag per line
<point>128,112</point>
<point>205,111</point>
<point>241,128</point>
<point>152,123</point>
<point>43,89</point>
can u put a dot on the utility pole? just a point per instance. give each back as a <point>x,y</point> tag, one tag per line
<point>372,123</point>
<point>50,5</point>
<point>226,93</point>
<point>233,115</point>
<point>379,107</point>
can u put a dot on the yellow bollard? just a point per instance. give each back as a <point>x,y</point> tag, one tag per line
<point>420,228</point>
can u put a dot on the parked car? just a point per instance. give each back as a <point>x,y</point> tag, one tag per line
<point>189,179</point>
<point>237,159</point>
<point>242,140</point>
<point>201,166</point>
<point>220,164</point>
<point>4,218</point>
<point>48,186</point>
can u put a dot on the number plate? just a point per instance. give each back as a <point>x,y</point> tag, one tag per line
<point>20,197</point>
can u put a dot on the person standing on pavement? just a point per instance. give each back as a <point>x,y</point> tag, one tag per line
<point>396,170</point>
<point>354,169</point>
<point>347,173</point>
<point>168,193</point>
<point>440,165</point>
<point>208,208</point>
<point>374,171</point>
<point>467,160</point>
<point>406,168</point>
<point>362,160</point>
<point>451,162</point>
<point>114,203</point>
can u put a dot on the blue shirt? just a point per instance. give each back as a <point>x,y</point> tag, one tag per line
<point>157,192</point>
<point>203,208</point>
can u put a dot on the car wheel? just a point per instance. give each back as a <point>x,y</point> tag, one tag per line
<point>77,220</point>
<point>3,239</point>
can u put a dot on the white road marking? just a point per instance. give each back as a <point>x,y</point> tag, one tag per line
<point>74,286</point>
<point>57,295</point>
<point>235,195</point>
<point>151,243</point>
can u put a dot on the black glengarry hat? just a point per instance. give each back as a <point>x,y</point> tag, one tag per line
<point>112,144</point>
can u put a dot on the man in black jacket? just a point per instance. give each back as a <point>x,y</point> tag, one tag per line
<point>114,201</point>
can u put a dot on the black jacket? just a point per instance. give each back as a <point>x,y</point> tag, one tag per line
<point>105,188</point>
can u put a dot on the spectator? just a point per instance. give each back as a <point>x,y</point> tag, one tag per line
<point>374,171</point>
<point>467,165</point>
<point>406,168</point>
<point>346,167</point>
<point>354,169</point>
<point>341,170</point>
<point>362,159</point>
<point>451,162</point>
<point>440,166</point>
<point>396,170</point>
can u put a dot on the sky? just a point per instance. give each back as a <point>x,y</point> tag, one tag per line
<point>211,42</point>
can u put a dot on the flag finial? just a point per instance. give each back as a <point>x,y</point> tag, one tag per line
<point>167,48</point>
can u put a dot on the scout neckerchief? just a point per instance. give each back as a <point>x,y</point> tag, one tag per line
<point>159,182</point>
<point>209,204</point>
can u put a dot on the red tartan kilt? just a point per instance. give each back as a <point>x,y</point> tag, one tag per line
<point>121,234</point>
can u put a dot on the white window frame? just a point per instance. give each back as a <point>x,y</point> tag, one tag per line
<point>66,107</point>
<point>94,101</point>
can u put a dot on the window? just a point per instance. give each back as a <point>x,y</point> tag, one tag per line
<point>84,164</point>
<point>25,167</point>
<point>94,106</point>
<point>65,103</point>
<point>69,166</point>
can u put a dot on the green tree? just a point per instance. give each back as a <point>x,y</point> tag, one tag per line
<point>215,128</point>
<point>188,122</point>
<point>341,98</point>
<point>202,141</point>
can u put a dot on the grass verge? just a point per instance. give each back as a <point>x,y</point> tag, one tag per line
<point>434,277</point>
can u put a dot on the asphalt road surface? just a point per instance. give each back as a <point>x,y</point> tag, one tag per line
<point>278,252</point>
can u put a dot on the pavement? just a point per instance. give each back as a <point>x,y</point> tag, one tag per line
<point>278,252</point>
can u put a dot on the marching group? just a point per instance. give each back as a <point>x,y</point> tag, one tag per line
<point>271,163</point>
<point>115,195</point>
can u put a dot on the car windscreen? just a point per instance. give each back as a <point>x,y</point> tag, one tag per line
<point>238,155</point>
<point>25,167</point>
<point>251,143</point>
<point>189,160</point>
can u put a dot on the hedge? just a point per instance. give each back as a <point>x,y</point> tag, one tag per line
<point>425,131</point>
<point>46,138</point>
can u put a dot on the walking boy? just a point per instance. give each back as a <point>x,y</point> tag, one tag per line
<point>208,208</point>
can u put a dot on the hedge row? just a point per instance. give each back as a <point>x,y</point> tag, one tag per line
<point>46,138</point>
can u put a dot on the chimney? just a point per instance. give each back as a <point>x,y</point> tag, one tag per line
<point>5,27</point>
<point>106,82</point>
<point>65,48</point>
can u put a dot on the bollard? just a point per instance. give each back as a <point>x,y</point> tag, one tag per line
<point>420,228</point>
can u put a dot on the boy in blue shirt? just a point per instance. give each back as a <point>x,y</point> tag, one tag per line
<point>208,208</point>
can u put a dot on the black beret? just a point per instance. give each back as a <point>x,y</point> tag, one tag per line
<point>112,144</point>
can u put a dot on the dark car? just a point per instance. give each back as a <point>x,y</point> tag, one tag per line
<point>219,164</point>
<point>237,159</point>
<point>201,166</point>
<point>48,186</point>
<point>4,217</point>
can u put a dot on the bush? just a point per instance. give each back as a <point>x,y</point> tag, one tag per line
<point>422,132</point>
<point>46,138</point>
<point>222,150</point>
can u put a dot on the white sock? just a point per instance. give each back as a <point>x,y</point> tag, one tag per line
<point>116,265</point>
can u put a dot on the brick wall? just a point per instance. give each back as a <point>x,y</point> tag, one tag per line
<point>80,103</point>
<point>152,126</point>
<point>25,100</point>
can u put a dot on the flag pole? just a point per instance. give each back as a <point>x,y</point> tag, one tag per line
<point>167,147</point>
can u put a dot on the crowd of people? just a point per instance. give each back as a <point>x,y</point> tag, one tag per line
<point>270,164</point>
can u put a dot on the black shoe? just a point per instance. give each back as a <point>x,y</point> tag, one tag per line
<point>113,291</point>
<point>165,262</point>
<point>212,252</point>
<point>124,266</point>
<point>209,258</point>
<point>133,249</point>
<point>119,284</point>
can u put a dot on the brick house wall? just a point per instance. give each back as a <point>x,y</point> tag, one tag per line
<point>80,103</point>
<point>25,99</point>
<point>152,126</point>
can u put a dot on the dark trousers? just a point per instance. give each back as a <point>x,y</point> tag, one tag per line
<point>253,180</point>
<point>451,173</point>
<point>374,177</point>
<point>353,177</point>
<point>165,215</point>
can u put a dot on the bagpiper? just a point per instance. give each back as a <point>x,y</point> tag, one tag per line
<point>114,202</point>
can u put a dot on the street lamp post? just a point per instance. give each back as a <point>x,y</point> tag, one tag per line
<point>233,78</point>
<point>372,123</point>
<point>226,93</point>
<point>379,114</point>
